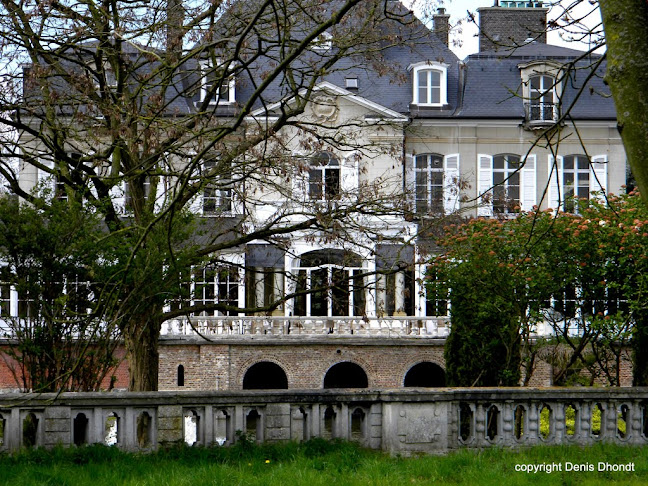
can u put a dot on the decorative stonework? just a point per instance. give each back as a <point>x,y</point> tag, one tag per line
<point>325,108</point>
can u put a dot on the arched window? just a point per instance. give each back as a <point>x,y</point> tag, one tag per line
<point>324,176</point>
<point>181,375</point>
<point>430,84</point>
<point>334,282</point>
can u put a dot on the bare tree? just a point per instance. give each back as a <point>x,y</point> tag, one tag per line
<point>152,113</point>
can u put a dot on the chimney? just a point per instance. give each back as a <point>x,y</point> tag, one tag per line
<point>442,25</point>
<point>511,24</point>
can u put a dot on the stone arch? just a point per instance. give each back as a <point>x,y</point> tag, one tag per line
<point>346,374</point>
<point>425,374</point>
<point>265,375</point>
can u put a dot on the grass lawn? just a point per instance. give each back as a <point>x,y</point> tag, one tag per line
<point>314,463</point>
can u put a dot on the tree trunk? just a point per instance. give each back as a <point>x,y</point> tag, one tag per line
<point>626,33</point>
<point>141,341</point>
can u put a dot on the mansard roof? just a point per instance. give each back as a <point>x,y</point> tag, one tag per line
<point>493,83</point>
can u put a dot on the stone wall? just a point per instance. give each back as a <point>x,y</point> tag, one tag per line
<point>401,421</point>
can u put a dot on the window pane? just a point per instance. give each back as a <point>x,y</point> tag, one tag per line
<point>332,183</point>
<point>435,95</point>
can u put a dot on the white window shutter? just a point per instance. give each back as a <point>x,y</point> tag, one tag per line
<point>160,193</point>
<point>555,189</point>
<point>528,184</point>
<point>485,185</point>
<point>451,183</point>
<point>598,175</point>
<point>410,181</point>
<point>236,200</point>
<point>349,175</point>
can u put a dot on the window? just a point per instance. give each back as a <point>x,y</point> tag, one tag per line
<point>323,42</point>
<point>436,183</point>
<point>217,194</point>
<point>542,104</point>
<point>430,84</point>
<point>215,85</point>
<point>506,183</point>
<point>324,176</point>
<point>575,177</point>
<point>542,88</point>
<point>215,284</point>
<point>429,183</point>
<point>437,295</point>
<point>334,281</point>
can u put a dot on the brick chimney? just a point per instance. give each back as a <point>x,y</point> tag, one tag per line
<point>511,23</point>
<point>442,25</point>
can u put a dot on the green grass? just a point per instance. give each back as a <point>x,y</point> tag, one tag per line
<point>313,463</point>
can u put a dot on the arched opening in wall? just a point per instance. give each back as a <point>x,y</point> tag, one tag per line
<point>520,421</point>
<point>191,431</point>
<point>597,419</point>
<point>622,421</point>
<point>222,422</point>
<point>265,375</point>
<point>571,420</point>
<point>2,431</point>
<point>252,423</point>
<point>546,422</point>
<point>30,430</point>
<point>346,375</point>
<point>329,422</point>
<point>181,373</point>
<point>492,422</point>
<point>144,430</point>
<point>111,429</point>
<point>425,375</point>
<point>80,429</point>
<point>358,425</point>
<point>466,422</point>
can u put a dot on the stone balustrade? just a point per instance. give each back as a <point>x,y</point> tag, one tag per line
<point>398,421</point>
<point>432,327</point>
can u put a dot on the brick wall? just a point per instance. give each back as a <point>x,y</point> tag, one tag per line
<point>500,28</point>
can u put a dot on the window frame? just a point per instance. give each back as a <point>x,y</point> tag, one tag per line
<point>429,67</point>
<point>509,171</point>
<point>206,67</point>
<point>327,179</point>
<point>542,70</point>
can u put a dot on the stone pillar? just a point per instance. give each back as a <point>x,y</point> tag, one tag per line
<point>278,291</point>
<point>381,295</point>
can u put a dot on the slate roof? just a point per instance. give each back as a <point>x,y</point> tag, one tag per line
<point>493,84</point>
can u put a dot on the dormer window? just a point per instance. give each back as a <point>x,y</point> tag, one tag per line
<point>215,85</point>
<point>430,84</point>
<point>541,92</point>
<point>542,105</point>
<point>322,42</point>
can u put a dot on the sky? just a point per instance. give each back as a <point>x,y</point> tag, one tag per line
<point>457,9</point>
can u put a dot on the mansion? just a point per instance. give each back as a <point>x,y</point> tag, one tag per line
<point>391,157</point>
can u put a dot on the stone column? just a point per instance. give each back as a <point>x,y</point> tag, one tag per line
<point>399,294</point>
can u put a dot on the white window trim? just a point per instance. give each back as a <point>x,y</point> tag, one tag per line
<point>442,68</point>
<point>528,187</point>
<point>598,174</point>
<point>541,68</point>
<point>206,67</point>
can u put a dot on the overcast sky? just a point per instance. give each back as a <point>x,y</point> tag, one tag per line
<point>458,8</point>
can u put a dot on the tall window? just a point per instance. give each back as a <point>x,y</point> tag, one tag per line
<point>542,105</point>
<point>430,84</point>
<point>216,284</point>
<point>217,194</point>
<point>428,170</point>
<point>335,284</point>
<point>506,182</point>
<point>576,180</point>
<point>324,176</point>
<point>215,86</point>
